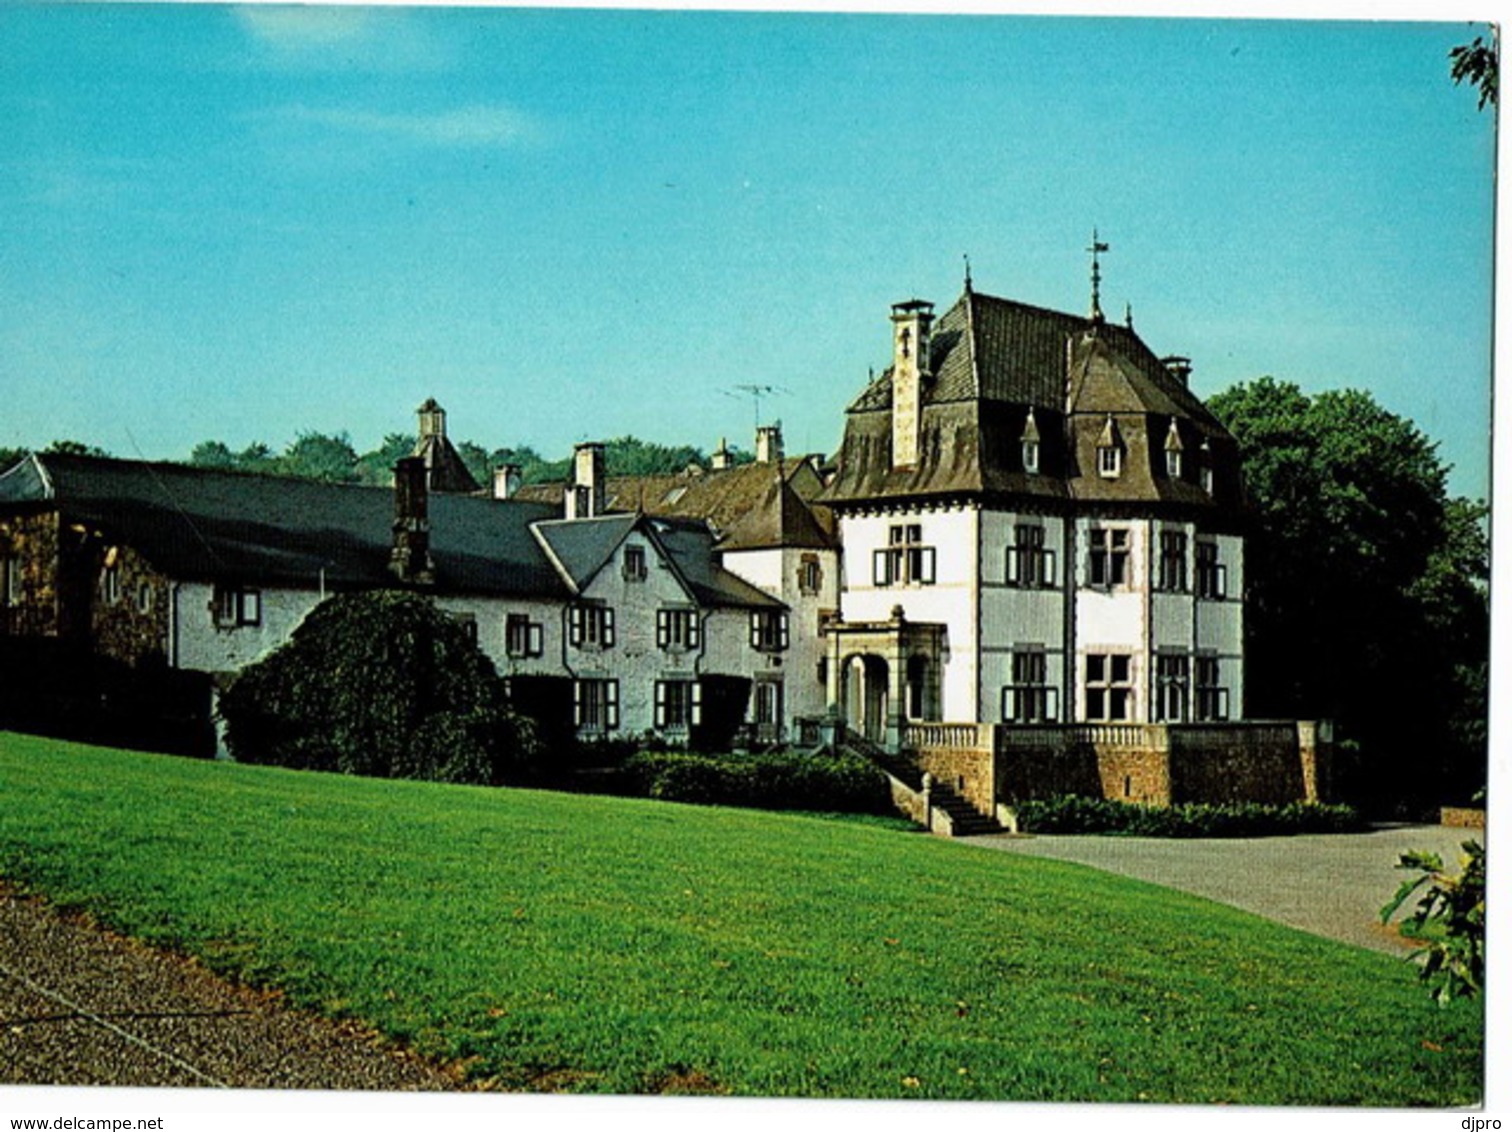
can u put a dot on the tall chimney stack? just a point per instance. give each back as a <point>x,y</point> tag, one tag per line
<point>506,481</point>
<point>410,559</point>
<point>769,444</point>
<point>585,495</point>
<point>722,457</point>
<point>911,323</point>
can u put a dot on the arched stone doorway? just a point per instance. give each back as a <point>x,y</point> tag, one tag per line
<point>864,693</point>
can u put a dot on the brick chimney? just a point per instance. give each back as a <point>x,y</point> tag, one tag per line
<point>769,444</point>
<point>410,559</point>
<point>585,495</point>
<point>506,481</point>
<point>911,324</point>
<point>722,457</point>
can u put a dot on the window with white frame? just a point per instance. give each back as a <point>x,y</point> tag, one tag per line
<point>1212,575</point>
<point>1211,695</point>
<point>767,706</point>
<point>1030,698</point>
<point>1030,564</point>
<point>145,596</point>
<point>905,560</point>
<point>1172,575</point>
<point>1031,454</point>
<point>523,637</point>
<point>635,563</point>
<point>1107,687</point>
<point>677,706</point>
<point>1108,563</point>
<point>1205,477</point>
<point>233,608</point>
<point>769,630</point>
<point>590,626</point>
<point>677,629</point>
<point>1109,461</point>
<point>1172,674</point>
<point>595,705</point>
<point>10,581</point>
<point>110,585</point>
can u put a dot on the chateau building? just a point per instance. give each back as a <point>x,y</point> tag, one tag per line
<point>1023,572</point>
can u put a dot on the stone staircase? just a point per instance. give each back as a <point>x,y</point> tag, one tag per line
<point>965,820</point>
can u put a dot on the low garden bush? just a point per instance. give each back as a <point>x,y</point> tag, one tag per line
<point>772,781</point>
<point>1450,918</point>
<point>1074,814</point>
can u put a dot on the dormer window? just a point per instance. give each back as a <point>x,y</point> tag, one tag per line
<point>1173,452</point>
<point>1205,469</point>
<point>1031,457</point>
<point>1030,445</point>
<point>1109,451</point>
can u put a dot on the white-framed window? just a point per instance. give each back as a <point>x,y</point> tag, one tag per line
<point>1173,463</point>
<point>1031,455</point>
<point>523,637</point>
<point>766,709</point>
<point>11,592</point>
<point>590,626</point>
<point>1108,687</point>
<point>905,560</point>
<point>1172,575</point>
<point>1108,562</point>
<point>595,705</point>
<point>769,630</point>
<point>677,629</point>
<point>1212,575</point>
<point>1172,682</point>
<point>1212,697</point>
<point>144,597</point>
<point>810,574</point>
<point>110,585</point>
<point>1205,477</point>
<point>1109,461</point>
<point>233,608</point>
<point>678,705</point>
<point>1030,698</point>
<point>635,563</point>
<point>1030,564</point>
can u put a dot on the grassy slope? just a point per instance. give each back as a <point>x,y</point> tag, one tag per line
<point>614,944</point>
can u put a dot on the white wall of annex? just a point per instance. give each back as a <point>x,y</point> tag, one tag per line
<point>203,646</point>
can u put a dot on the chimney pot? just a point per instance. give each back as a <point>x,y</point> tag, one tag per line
<point>585,495</point>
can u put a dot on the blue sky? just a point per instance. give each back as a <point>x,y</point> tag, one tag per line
<point>241,223</point>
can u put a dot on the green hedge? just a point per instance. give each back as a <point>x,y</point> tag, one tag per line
<point>1072,814</point>
<point>777,781</point>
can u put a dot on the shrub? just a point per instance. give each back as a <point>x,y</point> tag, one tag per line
<point>1451,916</point>
<point>381,684</point>
<point>1075,814</point>
<point>775,781</point>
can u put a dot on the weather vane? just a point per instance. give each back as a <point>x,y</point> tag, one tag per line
<point>1097,247</point>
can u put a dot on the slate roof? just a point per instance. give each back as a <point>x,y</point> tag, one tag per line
<point>751,506</point>
<point>583,547</point>
<point>203,525</point>
<point>992,360</point>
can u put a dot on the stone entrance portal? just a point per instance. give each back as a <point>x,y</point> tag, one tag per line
<point>884,674</point>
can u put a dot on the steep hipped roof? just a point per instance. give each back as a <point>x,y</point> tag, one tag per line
<point>203,525</point>
<point>991,362</point>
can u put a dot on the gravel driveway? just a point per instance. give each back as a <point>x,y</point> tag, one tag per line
<point>1329,884</point>
<point>82,1006</point>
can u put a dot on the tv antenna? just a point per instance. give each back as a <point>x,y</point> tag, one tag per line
<point>756,392</point>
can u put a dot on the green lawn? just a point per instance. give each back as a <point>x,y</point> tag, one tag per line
<point>569,942</point>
